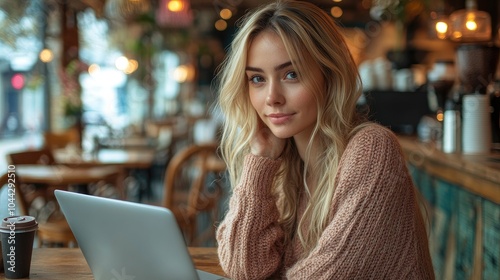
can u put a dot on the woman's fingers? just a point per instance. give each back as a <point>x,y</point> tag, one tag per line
<point>266,144</point>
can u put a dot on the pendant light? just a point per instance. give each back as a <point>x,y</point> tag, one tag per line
<point>470,24</point>
<point>174,13</point>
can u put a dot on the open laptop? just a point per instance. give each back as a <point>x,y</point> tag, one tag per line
<point>127,240</point>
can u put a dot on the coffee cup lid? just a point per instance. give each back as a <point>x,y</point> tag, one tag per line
<point>18,223</point>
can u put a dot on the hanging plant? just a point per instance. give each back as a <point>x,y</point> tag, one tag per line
<point>401,12</point>
<point>71,88</point>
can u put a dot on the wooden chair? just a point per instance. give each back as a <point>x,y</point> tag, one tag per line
<point>53,230</point>
<point>42,156</point>
<point>19,198</point>
<point>55,233</point>
<point>191,187</point>
<point>59,140</point>
<point>35,195</point>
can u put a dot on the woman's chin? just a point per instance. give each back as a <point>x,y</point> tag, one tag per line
<point>282,133</point>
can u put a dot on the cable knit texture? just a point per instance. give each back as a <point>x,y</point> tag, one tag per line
<point>376,230</point>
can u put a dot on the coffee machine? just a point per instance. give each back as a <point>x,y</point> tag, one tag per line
<point>476,65</point>
<point>495,112</point>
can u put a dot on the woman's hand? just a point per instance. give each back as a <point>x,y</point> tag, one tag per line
<point>265,144</point>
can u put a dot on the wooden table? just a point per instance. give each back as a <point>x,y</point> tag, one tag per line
<point>62,175</point>
<point>128,143</point>
<point>66,263</point>
<point>126,158</point>
<point>130,160</point>
<point>50,177</point>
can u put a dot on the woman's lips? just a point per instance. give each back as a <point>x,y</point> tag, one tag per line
<point>279,118</point>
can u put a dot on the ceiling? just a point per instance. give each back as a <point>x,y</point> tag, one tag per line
<point>354,11</point>
<point>254,3</point>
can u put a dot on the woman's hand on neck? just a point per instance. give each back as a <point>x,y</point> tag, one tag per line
<point>264,143</point>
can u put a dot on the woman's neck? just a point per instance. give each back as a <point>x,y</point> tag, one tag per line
<point>301,142</point>
<point>310,160</point>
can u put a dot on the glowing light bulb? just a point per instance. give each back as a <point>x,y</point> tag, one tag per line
<point>441,27</point>
<point>471,25</point>
<point>175,5</point>
<point>121,63</point>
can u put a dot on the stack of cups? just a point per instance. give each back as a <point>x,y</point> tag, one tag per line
<point>476,130</point>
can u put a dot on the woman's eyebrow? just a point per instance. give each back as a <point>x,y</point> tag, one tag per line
<point>277,68</point>
<point>253,69</point>
<point>282,66</point>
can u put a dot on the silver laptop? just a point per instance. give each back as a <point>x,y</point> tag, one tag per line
<point>127,240</point>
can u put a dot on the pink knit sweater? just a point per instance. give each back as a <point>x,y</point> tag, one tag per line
<point>376,230</point>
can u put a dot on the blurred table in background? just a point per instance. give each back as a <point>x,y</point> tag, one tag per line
<point>136,163</point>
<point>122,157</point>
<point>62,175</point>
<point>39,181</point>
<point>128,143</point>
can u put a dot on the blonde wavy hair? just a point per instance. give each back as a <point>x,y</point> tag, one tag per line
<point>312,40</point>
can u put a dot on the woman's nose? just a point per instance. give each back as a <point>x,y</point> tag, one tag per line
<point>275,94</point>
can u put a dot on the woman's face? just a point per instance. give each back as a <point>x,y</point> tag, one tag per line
<point>277,91</point>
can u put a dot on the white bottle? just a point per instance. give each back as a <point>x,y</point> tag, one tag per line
<point>452,127</point>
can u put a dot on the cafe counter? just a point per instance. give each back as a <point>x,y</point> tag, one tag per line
<point>462,198</point>
<point>478,174</point>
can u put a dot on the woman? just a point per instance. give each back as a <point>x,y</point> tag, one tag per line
<point>318,192</point>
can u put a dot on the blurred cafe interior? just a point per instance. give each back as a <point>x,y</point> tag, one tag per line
<point>114,98</point>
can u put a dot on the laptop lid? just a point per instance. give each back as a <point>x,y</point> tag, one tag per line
<point>127,240</point>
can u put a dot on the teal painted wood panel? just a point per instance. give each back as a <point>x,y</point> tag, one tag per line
<point>491,240</point>
<point>460,219</point>
<point>443,228</point>
<point>466,233</point>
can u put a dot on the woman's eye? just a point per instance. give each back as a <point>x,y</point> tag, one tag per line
<point>256,79</point>
<point>291,75</point>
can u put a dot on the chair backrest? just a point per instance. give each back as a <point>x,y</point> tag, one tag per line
<point>12,182</point>
<point>43,156</point>
<point>58,140</point>
<point>187,169</point>
<point>187,185</point>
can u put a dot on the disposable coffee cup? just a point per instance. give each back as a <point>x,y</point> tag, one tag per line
<point>17,235</point>
<point>1,258</point>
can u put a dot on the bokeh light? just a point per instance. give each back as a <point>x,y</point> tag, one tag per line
<point>225,14</point>
<point>221,25</point>
<point>46,55</point>
<point>17,81</point>
<point>121,63</point>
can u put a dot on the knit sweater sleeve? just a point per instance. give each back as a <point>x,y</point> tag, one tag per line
<point>376,231</point>
<point>250,238</point>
